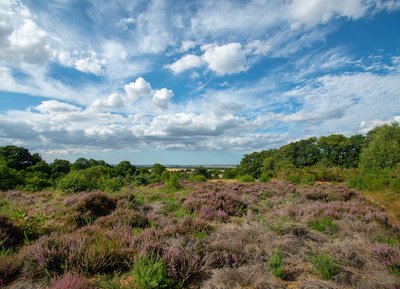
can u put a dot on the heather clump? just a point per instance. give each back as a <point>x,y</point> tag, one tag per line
<point>124,217</point>
<point>216,204</point>
<point>70,281</point>
<point>182,259</point>
<point>90,206</point>
<point>10,234</point>
<point>327,192</point>
<point>389,256</point>
<point>88,251</point>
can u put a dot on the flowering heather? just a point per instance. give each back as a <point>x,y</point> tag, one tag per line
<point>212,204</point>
<point>388,255</point>
<point>90,206</point>
<point>181,259</point>
<point>124,217</point>
<point>327,192</point>
<point>70,281</point>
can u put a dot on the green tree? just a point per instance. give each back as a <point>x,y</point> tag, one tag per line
<point>81,164</point>
<point>59,168</point>
<point>9,177</point>
<point>383,150</point>
<point>18,158</point>
<point>125,168</point>
<point>157,169</point>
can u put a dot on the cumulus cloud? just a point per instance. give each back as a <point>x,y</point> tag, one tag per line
<point>162,97</point>
<point>225,59</point>
<point>313,12</point>
<point>139,88</point>
<point>27,43</point>
<point>85,61</point>
<point>54,106</point>
<point>185,63</point>
<point>112,102</point>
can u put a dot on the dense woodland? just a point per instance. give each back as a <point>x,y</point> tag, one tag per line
<point>291,219</point>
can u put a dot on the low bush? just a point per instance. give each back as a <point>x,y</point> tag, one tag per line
<point>111,185</point>
<point>74,182</point>
<point>215,205</point>
<point>245,179</point>
<point>173,183</point>
<point>11,235</point>
<point>181,259</point>
<point>326,267</point>
<point>91,206</point>
<point>124,217</point>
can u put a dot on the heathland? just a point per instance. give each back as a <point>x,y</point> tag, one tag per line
<point>316,213</point>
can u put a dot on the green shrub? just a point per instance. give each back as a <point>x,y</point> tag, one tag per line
<point>150,272</point>
<point>198,178</point>
<point>324,225</point>
<point>326,267</point>
<point>111,185</point>
<point>173,183</point>
<point>36,181</point>
<point>246,179</point>
<point>74,182</point>
<point>265,178</point>
<point>275,264</point>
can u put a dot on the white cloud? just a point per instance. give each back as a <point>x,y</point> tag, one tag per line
<point>225,59</point>
<point>187,45</point>
<point>112,102</point>
<point>162,97</point>
<point>27,43</point>
<point>54,106</point>
<point>313,12</point>
<point>85,61</point>
<point>185,63</point>
<point>139,88</point>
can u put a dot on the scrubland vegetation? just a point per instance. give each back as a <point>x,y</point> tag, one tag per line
<point>317,213</point>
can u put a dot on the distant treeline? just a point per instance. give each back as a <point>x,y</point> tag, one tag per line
<point>366,162</point>
<point>22,170</point>
<point>358,159</point>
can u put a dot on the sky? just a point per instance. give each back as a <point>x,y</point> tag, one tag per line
<point>193,82</point>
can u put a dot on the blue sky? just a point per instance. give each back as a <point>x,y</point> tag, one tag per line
<point>193,82</point>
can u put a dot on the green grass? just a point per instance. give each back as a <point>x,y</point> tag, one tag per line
<point>389,240</point>
<point>324,225</point>
<point>275,264</point>
<point>149,273</point>
<point>326,267</point>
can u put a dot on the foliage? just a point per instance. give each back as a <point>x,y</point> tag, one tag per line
<point>74,182</point>
<point>9,177</point>
<point>173,182</point>
<point>246,179</point>
<point>275,264</point>
<point>326,267</point>
<point>383,150</point>
<point>150,272</point>
<point>18,158</point>
<point>59,168</point>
